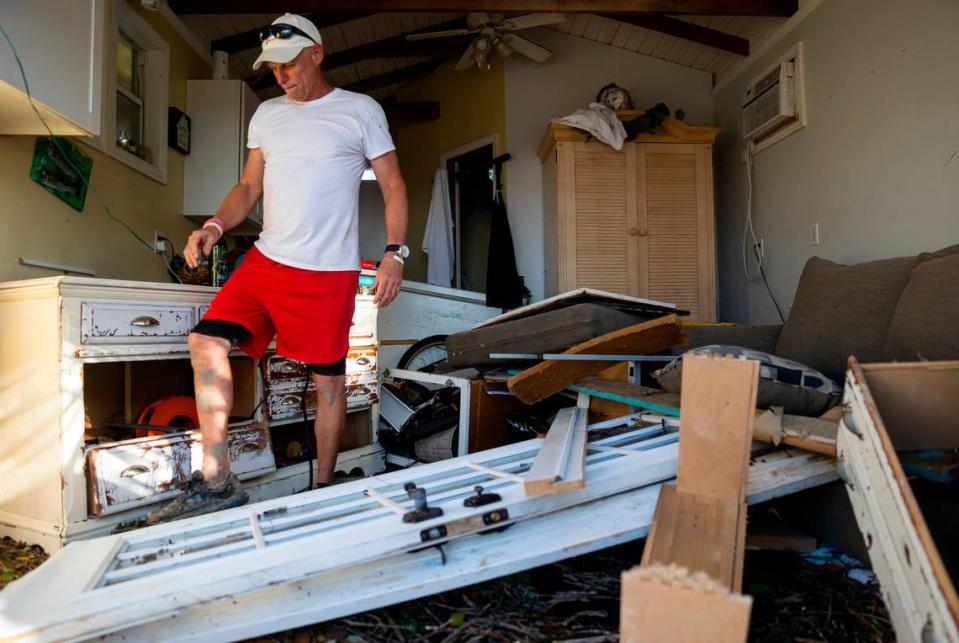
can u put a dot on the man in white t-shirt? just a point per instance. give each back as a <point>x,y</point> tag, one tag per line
<point>308,150</point>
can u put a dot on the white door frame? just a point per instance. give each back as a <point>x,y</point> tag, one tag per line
<point>492,139</point>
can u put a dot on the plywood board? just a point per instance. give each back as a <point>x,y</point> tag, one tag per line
<point>717,418</point>
<point>551,376</point>
<point>709,611</point>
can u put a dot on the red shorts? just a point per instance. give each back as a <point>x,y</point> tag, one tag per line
<point>309,311</point>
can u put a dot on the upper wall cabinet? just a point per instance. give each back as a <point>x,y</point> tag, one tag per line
<point>60,44</point>
<point>637,221</point>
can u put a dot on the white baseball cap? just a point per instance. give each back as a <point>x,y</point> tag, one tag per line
<point>287,36</point>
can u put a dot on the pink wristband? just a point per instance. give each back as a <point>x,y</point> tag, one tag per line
<point>215,222</point>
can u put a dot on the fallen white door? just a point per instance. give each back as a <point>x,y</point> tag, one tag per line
<point>344,549</point>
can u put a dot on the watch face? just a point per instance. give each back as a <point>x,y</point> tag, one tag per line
<point>404,252</point>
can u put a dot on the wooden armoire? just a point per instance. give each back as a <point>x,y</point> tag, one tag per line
<point>637,221</point>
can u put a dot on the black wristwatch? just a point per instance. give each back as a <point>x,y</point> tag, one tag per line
<point>401,250</point>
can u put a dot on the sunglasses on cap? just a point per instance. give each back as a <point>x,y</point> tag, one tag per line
<point>283,32</point>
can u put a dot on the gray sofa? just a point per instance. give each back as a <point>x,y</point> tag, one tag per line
<point>900,309</point>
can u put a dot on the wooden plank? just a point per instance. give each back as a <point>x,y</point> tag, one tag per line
<point>694,532</point>
<point>560,464</point>
<point>709,611</point>
<point>552,376</point>
<point>700,522</point>
<point>693,7</point>
<point>717,418</point>
<point>687,31</point>
<point>812,434</point>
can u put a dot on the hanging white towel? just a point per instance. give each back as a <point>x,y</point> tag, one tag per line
<point>438,238</point>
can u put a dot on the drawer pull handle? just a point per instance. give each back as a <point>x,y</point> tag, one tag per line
<point>134,470</point>
<point>849,420</point>
<point>145,321</point>
<point>363,361</point>
<point>290,399</point>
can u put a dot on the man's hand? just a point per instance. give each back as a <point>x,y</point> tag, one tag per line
<point>389,278</point>
<point>201,240</point>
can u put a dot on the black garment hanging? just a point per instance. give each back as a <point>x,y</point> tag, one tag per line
<point>505,289</point>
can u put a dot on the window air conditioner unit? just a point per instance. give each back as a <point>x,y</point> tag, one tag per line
<point>770,101</point>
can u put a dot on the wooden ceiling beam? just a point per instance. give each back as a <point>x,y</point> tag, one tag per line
<point>393,47</point>
<point>685,30</point>
<point>393,77</point>
<point>249,39</point>
<point>688,7</point>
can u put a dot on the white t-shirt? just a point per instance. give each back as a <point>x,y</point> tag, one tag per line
<point>315,154</point>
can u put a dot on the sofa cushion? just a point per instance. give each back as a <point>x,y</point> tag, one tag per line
<point>799,389</point>
<point>842,310</point>
<point>925,324</point>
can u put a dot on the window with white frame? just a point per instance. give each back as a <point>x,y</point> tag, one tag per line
<point>135,102</point>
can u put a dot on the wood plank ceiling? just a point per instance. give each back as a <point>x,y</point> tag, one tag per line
<point>366,50</point>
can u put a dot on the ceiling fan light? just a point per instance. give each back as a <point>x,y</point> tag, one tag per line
<point>481,44</point>
<point>503,48</point>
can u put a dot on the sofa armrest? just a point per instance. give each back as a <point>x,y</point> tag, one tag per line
<point>760,338</point>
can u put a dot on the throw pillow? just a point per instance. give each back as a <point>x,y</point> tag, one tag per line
<point>800,390</point>
<point>842,310</point>
<point>926,322</point>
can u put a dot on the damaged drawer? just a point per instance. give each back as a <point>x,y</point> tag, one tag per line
<point>907,523</point>
<point>141,471</point>
<point>123,323</point>
<point>278,370</point>
<point>285,400</point>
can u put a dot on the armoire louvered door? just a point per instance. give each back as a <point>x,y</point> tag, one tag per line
<point>637,221</point>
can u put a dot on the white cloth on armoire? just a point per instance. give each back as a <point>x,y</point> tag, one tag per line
<point>438,238</point>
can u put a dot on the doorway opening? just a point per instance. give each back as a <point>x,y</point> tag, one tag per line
<point>471,196</point>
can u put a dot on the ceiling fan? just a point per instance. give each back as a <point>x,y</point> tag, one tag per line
<point>495,33</point>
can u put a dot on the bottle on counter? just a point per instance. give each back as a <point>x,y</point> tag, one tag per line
<point>218,266</point>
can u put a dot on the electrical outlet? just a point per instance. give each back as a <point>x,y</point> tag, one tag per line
<point>814,234</point>
<point>159,242</point>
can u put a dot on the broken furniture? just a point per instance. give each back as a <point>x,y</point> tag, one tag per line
<point>694,551</point>
<point>345,549</point>
<point>904,309</point>
<point>79,355</point>
<point>550,331</point>
<point>552,376</point>
<point>909,524</point>
<point>480,422</point>
<point>637,221</point>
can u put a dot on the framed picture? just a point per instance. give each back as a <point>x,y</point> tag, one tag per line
<point>178,131</point>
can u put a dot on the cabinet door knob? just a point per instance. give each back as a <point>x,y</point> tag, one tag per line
<point>643,232</point>
<point>632,232</point>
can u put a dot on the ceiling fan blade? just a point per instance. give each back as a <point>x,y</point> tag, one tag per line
<point>529,48</point>
<point>437,34</point>
<point>466,60</point>
<point>532,20</point>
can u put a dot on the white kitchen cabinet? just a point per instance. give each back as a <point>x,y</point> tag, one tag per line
<point>220,112</point>
<point>80,358</point>
<point>61,46</point>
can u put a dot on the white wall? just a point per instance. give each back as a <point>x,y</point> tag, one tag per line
<point>569,80</point>
<point>877,165</point>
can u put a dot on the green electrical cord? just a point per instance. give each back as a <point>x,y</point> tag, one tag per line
<point>63,154</point>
